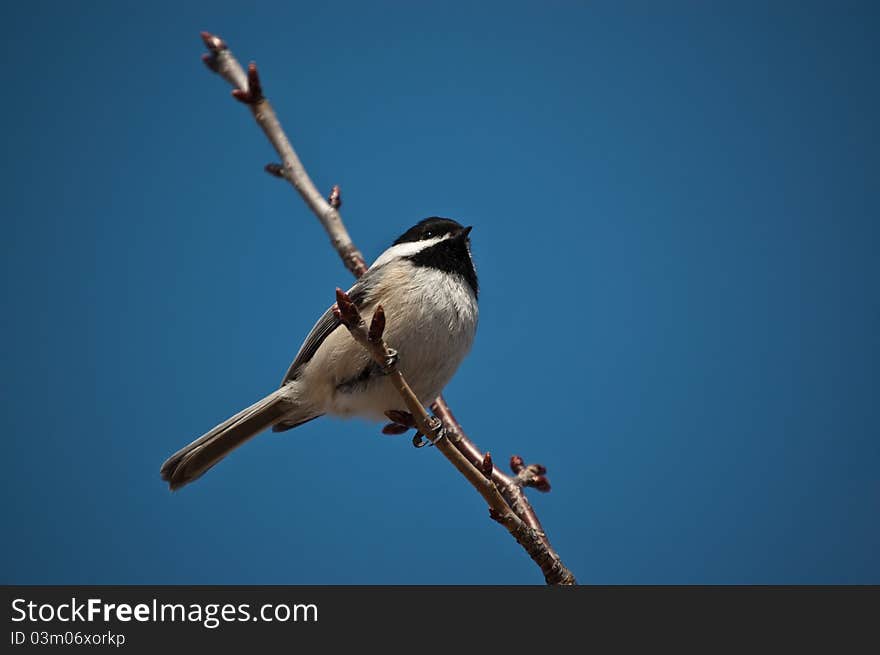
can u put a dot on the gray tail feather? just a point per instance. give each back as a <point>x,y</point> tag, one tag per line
<point>190,462</point>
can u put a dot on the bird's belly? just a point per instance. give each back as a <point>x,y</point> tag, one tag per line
<point>426,369</point>
<point>431,339</point>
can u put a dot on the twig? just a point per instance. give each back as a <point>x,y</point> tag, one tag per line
<point>507,503</point>
<point>510,488</point>
<point>372,340</point>
<point>247,88</point>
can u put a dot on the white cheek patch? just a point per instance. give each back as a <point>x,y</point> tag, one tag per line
<point>405,250</point>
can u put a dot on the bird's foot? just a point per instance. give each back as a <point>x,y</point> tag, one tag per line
<point>390,362</point>
<point>437,432</point>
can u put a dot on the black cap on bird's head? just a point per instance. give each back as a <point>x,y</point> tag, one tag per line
<point>433,228</point>
<point>449,252</point>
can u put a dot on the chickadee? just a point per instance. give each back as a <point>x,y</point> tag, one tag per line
<point>427,285</point>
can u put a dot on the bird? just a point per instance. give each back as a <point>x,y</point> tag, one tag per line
<point>427,285</point>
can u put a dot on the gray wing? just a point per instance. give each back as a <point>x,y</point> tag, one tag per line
<point>326,325</point>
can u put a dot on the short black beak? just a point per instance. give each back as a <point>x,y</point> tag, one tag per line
<point>464,232</point>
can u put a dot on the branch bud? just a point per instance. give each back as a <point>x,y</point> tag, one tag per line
<point>541,483</point>
<point>335,197</point>
<point>254,93</point>
<point>395,429</point>
<point>210,60</point>
<point>276,170</point>
<point>486,466</point>
<point>255,89</point>
<point>377,325</point>
<point>213,42</point>
<point>403,418</point>
<point>347,312</point>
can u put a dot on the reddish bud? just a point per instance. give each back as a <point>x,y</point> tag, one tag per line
<point>213,42</point>
<point>210,60</point>
<point>348,313</point>
<point>254,93</point>
<point>516,464</point>
<point>255,89</point>
<point>486,466</point>
<point>403,418</point>
<point>395,429</point>
<point>277,170</point>
<point>377,325</point>
<point>540,483</point>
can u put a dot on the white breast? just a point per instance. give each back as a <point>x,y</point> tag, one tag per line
<point>431,320</point>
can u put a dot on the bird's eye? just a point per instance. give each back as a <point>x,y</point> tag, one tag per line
<point>429,234</point>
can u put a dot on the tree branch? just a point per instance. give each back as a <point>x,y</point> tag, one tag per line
<point>372,339</point>
<point>246,88</point>
<point>481,479</point>
<point>504,494</point>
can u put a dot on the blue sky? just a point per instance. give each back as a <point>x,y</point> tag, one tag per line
<point>675,210</point>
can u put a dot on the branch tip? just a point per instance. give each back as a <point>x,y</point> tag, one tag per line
<point>213,42</point>
<point>529,475</point>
